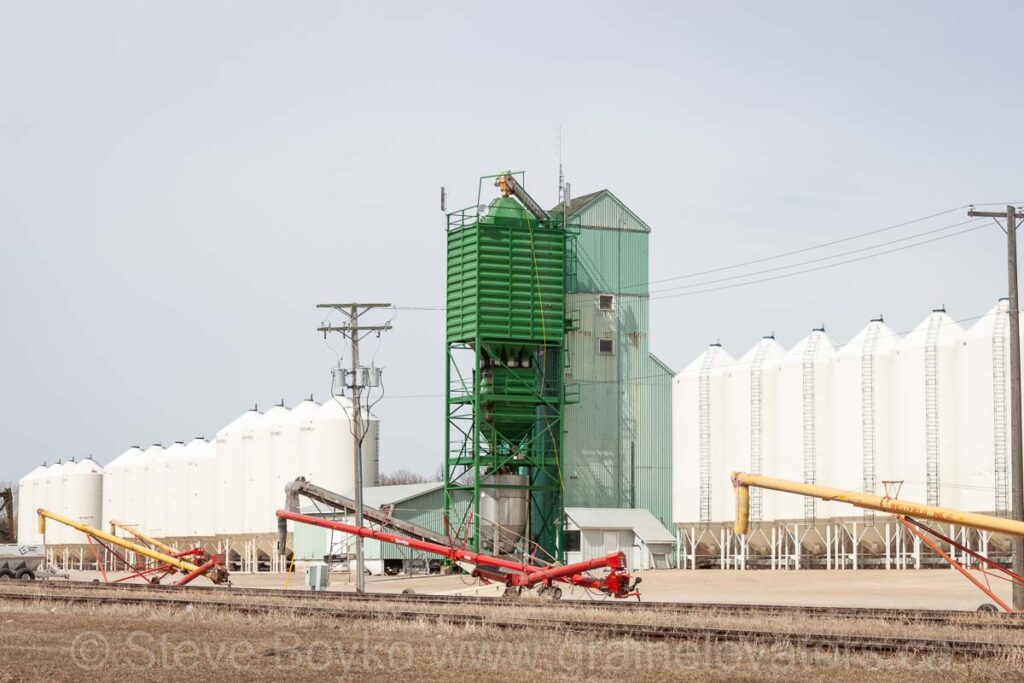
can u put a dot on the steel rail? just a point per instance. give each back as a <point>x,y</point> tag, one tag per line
<point>846,642</point>
<point>968,619</point>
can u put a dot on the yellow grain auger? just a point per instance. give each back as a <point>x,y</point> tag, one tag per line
<point>907,513</point>
<point>191,563</point>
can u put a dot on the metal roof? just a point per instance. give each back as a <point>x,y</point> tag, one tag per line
<point>638,520</point>
<point>378,496</point>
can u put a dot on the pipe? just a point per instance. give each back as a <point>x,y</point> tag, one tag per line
<point>530,575</point>
<point>742,507</point>
<point>742,481</point>
<point>114,524</point>
<point>178,564</point>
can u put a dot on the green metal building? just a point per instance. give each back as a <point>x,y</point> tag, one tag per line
<point>551,387</point>
<point>504,367</point>
<point>618,441</point>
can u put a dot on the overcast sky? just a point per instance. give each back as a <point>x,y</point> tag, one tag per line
<point>181,183</point>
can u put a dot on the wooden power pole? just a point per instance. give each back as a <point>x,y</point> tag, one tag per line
<point>1016,459</point>
<point>354,332</point>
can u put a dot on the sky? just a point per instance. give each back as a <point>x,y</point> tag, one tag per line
<point>181,184</point>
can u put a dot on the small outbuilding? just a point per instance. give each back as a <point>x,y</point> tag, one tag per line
<point>593,532</point>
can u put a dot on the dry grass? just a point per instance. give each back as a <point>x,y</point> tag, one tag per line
<point>964,627</point>
<point>45,642</point>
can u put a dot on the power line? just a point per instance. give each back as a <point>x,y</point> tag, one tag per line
<point>810,248</point>
<point>825,267</point>
<point>822,258</point>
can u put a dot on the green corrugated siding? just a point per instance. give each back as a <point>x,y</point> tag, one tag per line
<point>609,261</point>
<point>427,511</point>
<point>506,279</point>
<point>618,441</point>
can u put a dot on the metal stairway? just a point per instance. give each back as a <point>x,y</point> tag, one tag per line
<point>810,420</point>
<point>931,408</point>
<point>1000,354</point>
<point>867,413</point>
<point>704,447</point>
<point>757,424</point>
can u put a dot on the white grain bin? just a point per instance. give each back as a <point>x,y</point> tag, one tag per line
<point>50,492</point>
<point>328,452</point>
<point>924,415</point>
<point>503,513</point>
<point>257,466</point>
<point>132,509</point>
<point>83,496</point>
<point>981,468</point>
<point>115,488</point>
<point>750,416</point>
<point>286,452</point>
<point>235,444</point>
<point>176,488</point>
<point>201,497</point>
<point>862,401</point>
<point>701,491</point>
<point>28,503</point>
<point>802,424</point>
<point>151,477</point>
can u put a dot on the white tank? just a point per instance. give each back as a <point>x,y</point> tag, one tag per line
<point>176,488</point>
<point>701,491</point>
<point>286,453</point>
<point>28,503</point>
<point>115,488</point>
<point>151,479</point>
<point>328,452</point>
<point>83,496</point>
<point>235,444</point>
<point>133,504</point>
<point>862,402</point>
<point>258,513</point>
<point>200,456</point>
<point>982,466</point>
<point>50,492</point>
<point>802,424</point>
<point>924,417</point>
<point>750,418</point>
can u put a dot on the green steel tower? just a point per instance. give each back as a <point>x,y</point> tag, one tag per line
<point>504,374</point>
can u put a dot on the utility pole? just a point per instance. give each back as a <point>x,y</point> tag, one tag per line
<point>1016,458</point>
<point>354,332</point>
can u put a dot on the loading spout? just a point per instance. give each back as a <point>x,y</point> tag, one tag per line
<point>742,481</point>
<point>508,185</point>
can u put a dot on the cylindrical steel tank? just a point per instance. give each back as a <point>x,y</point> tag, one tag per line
<point>235,443</point>
<point>700,440</point>
<point>503,513</point>
<point>28,530</point>
<point>176,488</point>
<point>116,497</point>
<point>150,477</point>
<point>924,416</point>
<point>83,495</point>
<point>258,467</point>
<point>862,401</point>
<point>982,466</point>
<point>802,427</point>
<point>328,452</point>
<point>750,416</point>
<point>201,499</point>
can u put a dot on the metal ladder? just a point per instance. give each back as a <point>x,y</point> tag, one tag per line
<point>704,448</point>
<point>931,408</point>
<point>1000,353</point>
<point>867,413</point>
<point>756,425</point>
<point>810,421</point>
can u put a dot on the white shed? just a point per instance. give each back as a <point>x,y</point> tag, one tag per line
<point>594,532</point>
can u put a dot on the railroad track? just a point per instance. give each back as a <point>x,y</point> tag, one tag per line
<point>834,642</point>
<point>963,619</point>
